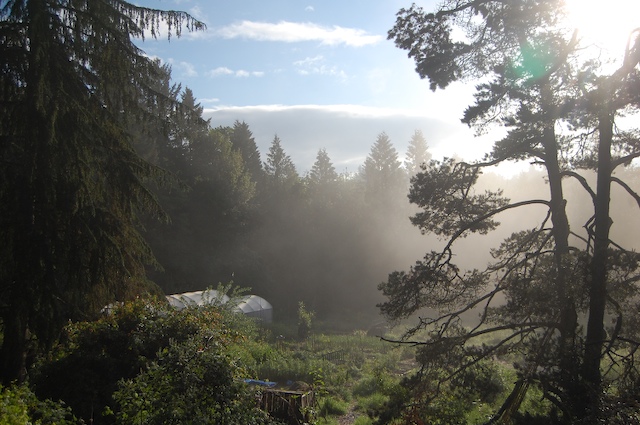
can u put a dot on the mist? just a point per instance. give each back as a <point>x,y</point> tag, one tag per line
<point>330,245</point>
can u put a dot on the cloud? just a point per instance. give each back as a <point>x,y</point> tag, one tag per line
<point>292,32</point>
<point>346,131</point>
<point>208,100</point>
<point>316,65</point>
<point>223,70</point>
<point>309,9</point>
<point>197,13</point>
<point>185,69</point>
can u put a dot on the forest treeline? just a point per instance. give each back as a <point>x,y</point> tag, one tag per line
<point>248,217</point>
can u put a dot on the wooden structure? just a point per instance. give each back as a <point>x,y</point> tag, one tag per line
<point>293,407</point>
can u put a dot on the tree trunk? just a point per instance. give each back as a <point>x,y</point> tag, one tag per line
<point>568,319</point>
<point>598,272</point>
<point>13,351</point>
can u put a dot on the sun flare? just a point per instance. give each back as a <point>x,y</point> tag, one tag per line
<point>605,24</point>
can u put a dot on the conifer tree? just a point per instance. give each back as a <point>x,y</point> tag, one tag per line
<point>382,174</point>
<point>71,184</point>
<point>281,174</point>
<point>417,153</point>
<point>322,172</point>
<point>244,142</point>
<point>539,83</point>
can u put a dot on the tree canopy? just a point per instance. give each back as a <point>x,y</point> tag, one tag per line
<point>71,183</point>
<point>560,108</point>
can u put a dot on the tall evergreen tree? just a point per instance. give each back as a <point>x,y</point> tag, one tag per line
<point>417,153</point>
<point>281,173</point>
<point>70,182</point>
<point>382,174</point>
<point>322,172</point>
<point>243,141</point>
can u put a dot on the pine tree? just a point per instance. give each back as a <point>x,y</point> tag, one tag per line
<point>322,172</point>
<point>243,141</point>
<point>417,153</point>
<point>281,174</point>
<point>539,82</point>
<point>382,174</point>
<point>71,184</point>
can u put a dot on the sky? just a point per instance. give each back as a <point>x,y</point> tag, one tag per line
<point>318,74</point>
<point>321,74</point>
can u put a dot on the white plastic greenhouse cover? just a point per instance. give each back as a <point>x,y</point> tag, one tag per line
<point>255,306</point>
<point>196,298</point>
<point>251,305</point>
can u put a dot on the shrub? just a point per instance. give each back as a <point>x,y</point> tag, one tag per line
<point>331,406</point>
<point>305,319</point>
<point>139,336</point>
<point>363,420</point>
<point>192,382</point>
<point>372,403</point>
<point>19,406</point>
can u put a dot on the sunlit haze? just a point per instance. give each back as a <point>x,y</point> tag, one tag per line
<point>324,75</point>
<point>605,24</point>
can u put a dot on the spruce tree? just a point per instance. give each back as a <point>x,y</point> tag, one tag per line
<point>322,172</point>
<point>244,142</point>
<point>382,173</point>
<point>71,184</point>
<point>281,174</point>
<point>417,153</point>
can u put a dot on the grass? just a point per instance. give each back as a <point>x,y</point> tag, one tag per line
<point>366,374</point>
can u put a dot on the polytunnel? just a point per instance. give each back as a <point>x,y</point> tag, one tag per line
<point>255,306</point>
<point>197,298</point>
<point>250,305</point>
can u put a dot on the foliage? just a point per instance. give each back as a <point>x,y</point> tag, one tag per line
<point>417,153</point>
<point>71,189</point>
<point>332,406</point>
<point>19,406</point>
<point>243,141</point>
<point>322,172</point>
<point>362,420</point>
<point>281,173</point>
<point>211,205</point>
<point>560,109</point>
<point>383,176</point>
<point>94,357</point>
<point>305,321</point>
<point>190,382</point>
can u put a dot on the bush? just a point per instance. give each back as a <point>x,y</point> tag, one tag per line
<point>143,336</point>
<point>192,382</point>
<point>19,406</point>
<point>372,403</point>
<point>363,420</point>
<point>331,406</point>
<point>305,319</point>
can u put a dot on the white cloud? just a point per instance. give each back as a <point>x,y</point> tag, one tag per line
<point>208,100</point>
<point>291,32</point>
<point>180,69</point>
<point>316,65</point>
<point>310,9</point>
<point>223,70</point>
<point>197,13</point>
<point>187,69</point>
